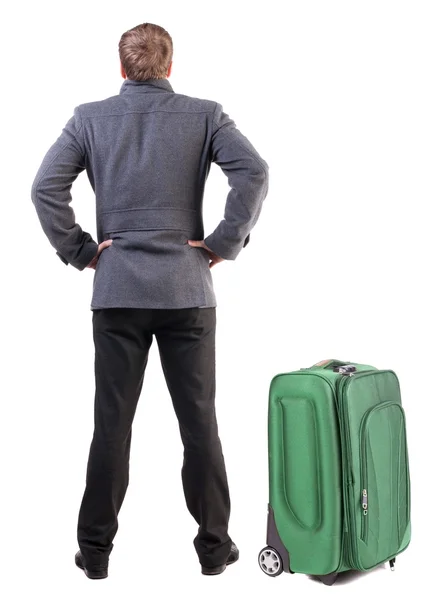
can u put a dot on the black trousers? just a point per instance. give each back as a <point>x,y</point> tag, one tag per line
<point>186,342</point>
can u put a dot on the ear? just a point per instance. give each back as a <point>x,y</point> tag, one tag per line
<point>169,69</point>
<point>122,71</point>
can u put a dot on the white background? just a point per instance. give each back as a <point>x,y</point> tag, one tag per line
<point>334,96</point>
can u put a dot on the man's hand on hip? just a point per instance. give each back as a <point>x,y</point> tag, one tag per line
<point>214,258</point>
<point>101,247</point>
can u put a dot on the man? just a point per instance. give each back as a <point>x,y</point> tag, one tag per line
<point>147,152</point>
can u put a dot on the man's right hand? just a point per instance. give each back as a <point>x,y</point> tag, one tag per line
<point>214,258</point>
<point>94,261</point>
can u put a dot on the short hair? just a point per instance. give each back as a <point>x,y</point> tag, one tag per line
<point>145,52</point>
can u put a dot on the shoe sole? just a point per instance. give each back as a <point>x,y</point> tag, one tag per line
<point>218,571</point>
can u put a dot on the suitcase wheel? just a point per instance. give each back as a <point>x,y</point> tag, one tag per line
<point>270,562</point>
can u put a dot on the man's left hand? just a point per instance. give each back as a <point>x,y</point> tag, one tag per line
<point>215,259</point>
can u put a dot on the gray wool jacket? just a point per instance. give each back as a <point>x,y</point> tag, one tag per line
<point>147,153</point>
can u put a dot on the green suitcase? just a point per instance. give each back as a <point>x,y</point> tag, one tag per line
<point>339,485</point>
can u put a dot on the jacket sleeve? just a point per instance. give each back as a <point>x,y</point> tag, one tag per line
<point>51,196</point>
<point>248,177</point>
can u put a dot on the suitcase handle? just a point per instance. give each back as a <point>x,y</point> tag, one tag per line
<point>329,363</point>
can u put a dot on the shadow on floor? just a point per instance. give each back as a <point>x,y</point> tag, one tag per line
<point>349,576</point>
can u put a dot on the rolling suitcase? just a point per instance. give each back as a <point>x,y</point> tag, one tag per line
<point>339,486</point>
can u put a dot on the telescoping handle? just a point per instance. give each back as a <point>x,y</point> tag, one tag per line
<point>336,365</point>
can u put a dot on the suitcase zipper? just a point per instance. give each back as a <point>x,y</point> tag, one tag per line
<point>348,492</point>
<point>364,515</point>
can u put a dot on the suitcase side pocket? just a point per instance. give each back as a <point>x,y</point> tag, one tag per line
<point>384,505</point>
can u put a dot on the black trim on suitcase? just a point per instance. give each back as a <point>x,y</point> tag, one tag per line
<point>328,579</point>
<point>274,541</point>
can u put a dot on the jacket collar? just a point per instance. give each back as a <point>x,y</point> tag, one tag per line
<point>149,85</point>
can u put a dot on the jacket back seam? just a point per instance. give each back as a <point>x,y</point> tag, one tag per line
<point>136,112</point>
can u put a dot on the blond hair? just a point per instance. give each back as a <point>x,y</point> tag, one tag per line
<point>145,52</point>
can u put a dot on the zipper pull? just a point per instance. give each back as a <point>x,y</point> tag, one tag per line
<point>345,369</point>
<point>364,502</point>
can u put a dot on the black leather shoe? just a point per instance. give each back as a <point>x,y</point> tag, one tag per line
<point>96,572</point>
<point>233,557</point>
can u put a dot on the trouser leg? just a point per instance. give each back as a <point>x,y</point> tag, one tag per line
<point>122,340</point>
<point>186,340</point>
